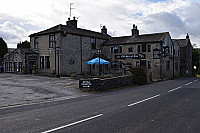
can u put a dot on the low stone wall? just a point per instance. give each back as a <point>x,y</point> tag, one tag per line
<point>105,84</point>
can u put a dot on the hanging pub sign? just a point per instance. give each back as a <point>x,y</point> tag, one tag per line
<point>131,56</point>
<point>156,53</point>
<point>85,84</point>
<point>166,51</point>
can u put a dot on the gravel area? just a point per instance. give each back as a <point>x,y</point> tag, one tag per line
<point>19,89</point>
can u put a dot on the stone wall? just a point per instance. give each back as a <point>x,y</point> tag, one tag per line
<point>106,84</point>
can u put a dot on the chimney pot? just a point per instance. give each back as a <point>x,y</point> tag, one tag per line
<point>135,31</point>
<point>187,36</point>
<point>104,30</point>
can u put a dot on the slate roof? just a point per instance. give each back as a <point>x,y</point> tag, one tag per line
<point>71,30</point>
<point>27,50</point>
<point>182,42</point>
<point>145,38</point>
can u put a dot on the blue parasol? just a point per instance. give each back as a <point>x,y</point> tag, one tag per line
<point>96,61</point>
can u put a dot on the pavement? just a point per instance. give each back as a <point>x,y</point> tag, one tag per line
<point>18,89</point>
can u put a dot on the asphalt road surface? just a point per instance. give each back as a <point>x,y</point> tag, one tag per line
<point>171,106</point>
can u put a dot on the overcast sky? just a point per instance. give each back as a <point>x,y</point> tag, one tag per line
<point>20,18</point>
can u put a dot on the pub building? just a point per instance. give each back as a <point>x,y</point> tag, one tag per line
<point>153,52</point>
<point>65,49</point>
<point>21,60</point>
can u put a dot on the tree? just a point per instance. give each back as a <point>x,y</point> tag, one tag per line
<point>195,58</point>
<point>3,48</point>
<point>25,44</point>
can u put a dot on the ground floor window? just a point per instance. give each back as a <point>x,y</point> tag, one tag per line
<point>149,64</point>
<point>41,62</point>
<point>167,65</point>
<point>47,62</point>
<point>176,66</point>
<point>8,66</point>
<point>93,66</point>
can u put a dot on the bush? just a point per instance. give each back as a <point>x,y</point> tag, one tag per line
<point>139,76</point>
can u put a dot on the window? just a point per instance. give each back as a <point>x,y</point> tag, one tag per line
<point>20,66</point>
<point>41,61</point>
<point>111,50</point>
<point>137,64</point>
<point>116,64</point>
<point>51,41</point>
<point>130,49</point>
<point>93,66</point>
<point>149,48</point>
<point>176,66</point>
<point>93,43</point>
<point>167,65</point>
<point>149,64</point>
<point>10,66</point>
<point>120,49</point>
<point>36,42</point>
<point>111,64</point>
<point>6,66</point>
<point>47,62</point>
<point>138,48</point>
<point>15,67</point>
<point>143,47</point>
<point>115,49</point>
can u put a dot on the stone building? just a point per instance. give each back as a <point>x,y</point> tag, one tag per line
<point>21,60</point>
<point>153,52</point>
<point>185,56</point>
<point>65,49</point>
<point>176,58</point>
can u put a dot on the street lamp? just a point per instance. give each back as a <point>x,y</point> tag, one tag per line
<point>99,52</point>
<point>58,52</point>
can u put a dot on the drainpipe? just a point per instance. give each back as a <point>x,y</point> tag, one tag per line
<point>55,51</point>
<point>173,61</point>
<point>161,61</point>
<point>81,54</point>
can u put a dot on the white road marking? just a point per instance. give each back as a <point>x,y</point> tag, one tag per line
<point>175,89</point>
<point>188,83</point>
<point>71,124</point>
<point>144,100</point>
<point>196,80</point>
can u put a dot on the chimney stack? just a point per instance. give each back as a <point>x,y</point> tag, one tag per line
<point>187,36</point>
<point>135,31</point>
<point>72,23</point>
<point>104,30</point>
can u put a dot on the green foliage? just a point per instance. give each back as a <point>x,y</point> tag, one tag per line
<point>25,44</point>
<point>3,48</point>
<point>195,57</point>
<point>139,76</point>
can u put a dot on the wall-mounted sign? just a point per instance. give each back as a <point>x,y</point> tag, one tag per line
<point>131,56</point>
<point>32,57</point>
<point>156,53</point>
<point>85,84</point>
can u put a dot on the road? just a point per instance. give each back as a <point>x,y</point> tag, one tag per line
<point>171,106</point>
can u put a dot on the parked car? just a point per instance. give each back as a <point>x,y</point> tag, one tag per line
<point>1,69</point>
